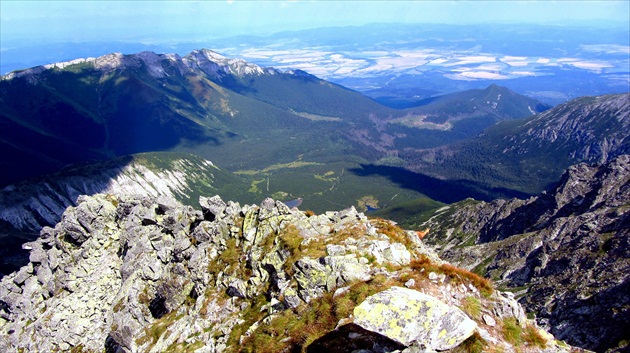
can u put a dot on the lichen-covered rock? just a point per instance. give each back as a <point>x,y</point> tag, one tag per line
<point>139,274</point>
<point>408,316</point>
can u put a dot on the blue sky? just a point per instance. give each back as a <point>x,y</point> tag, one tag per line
<point>53,21</point>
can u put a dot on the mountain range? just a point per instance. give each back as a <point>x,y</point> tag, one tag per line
<point>222,109</point>
<point>151,131</point>
<point>402,63</point>
<point>529,155</point>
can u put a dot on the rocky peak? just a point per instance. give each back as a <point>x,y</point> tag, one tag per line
<point>207,61</point>
<point>213,64</point>
<point>597,124</point>
<point>127,274</point>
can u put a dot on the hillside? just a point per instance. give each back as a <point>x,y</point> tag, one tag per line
<point>144,274</point>
<point>94,109</point>
<point>28,206</point>
<point>530,155</point>
<point>237,114</point>
<point>564,252</point>
<point>469,112</point>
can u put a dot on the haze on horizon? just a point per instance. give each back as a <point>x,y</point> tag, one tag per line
<point>27,23</point>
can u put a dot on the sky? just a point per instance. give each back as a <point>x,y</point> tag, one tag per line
<point>34,22</point>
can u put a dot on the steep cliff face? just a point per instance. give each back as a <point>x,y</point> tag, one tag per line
<point>566,252</point>
<point>125,274</point>
<point>28,206</point>
<point>31,205</point>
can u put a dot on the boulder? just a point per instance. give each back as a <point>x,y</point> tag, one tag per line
<point>213,207</point>
<point>410,317</point>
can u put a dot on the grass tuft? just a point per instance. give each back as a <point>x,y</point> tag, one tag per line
<point>512,332</point>
<point>472,306</point>
<point>533,337</point>
<point>473,344</point>
<point>459,275</point>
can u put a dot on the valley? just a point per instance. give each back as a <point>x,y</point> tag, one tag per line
<point>468,170</point>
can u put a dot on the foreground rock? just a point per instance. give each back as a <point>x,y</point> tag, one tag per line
<point>566,252</point>
<point>125,274</point>
<point>411,317</point>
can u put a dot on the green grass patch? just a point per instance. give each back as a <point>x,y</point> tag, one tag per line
<point>473,344</point>
<point>512,332</point>
<point>471,306</point>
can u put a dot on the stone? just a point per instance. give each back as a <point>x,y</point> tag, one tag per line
<point>488,320</point>
<point>312,278</point>
<point>147,275</point>
<point>408,316</point>
<point>212,207</point>
<point>397,254</point>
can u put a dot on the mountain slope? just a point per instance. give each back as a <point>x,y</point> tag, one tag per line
<point>97,108</point>
<point>567,251</point>
<point>529,155</point>
<point>446,119</point>
<point>496,101</point>
<point>28,206</point>
<point>225,110</point>
<point>150,275</point>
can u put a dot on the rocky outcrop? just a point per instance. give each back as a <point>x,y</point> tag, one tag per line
<point>411,317</point>
<point>125,274</point>
<point>566,252</point>
<point>28,206</point>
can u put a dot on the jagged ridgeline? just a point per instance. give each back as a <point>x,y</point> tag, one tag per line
<point>565,253</point>
<point>124,274</point>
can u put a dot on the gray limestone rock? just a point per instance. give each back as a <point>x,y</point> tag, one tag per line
<point>212,207</point>
<point>408,316</point>
<point>135,274</point>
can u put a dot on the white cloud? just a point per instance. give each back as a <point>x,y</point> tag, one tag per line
<point>591,66</point>
<point>477,75</point>
<point>523,73</point>
<point>513,58</point>
<point>606,48</point>
<point>517,63</point>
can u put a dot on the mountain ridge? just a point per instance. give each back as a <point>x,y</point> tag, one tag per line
<point>564,252</point>
<point>224,110</point>
<point>144,274</point>
<point>531,154</point>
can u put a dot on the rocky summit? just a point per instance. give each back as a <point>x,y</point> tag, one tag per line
<point>131,274</point>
